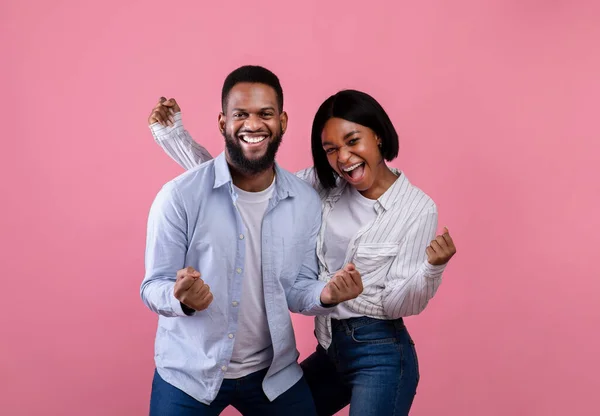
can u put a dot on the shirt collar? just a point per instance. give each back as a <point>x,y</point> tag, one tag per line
<point>283,185</point>
<point>386,201</point>
<point>395,192</point>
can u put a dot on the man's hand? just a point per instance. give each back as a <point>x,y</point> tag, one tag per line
<point>441,250</point>
<point>164,111</point>
<point>346,284</point>
<point>191,290</point>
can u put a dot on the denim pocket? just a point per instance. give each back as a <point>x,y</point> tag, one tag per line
<point>380,332</point>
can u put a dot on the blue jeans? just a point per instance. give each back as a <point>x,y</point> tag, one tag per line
<point>371,365</point>
<point>245,394</point>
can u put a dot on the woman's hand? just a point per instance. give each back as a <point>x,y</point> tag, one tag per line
<point>441,250</point>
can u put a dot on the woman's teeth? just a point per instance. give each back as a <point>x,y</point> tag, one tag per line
<point>351,168</point>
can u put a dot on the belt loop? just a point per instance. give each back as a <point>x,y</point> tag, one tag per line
<point>347,327</point>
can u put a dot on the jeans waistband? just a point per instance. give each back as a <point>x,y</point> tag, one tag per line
<point>353,323</point>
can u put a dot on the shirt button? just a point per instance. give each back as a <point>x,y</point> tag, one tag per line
<point>238,270</point>
<point>234,303</point>
<point>241,236</point>
<point>224,368</point>
<point>230,336</point>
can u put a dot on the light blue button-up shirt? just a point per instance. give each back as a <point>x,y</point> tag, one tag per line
<point>194,222</point>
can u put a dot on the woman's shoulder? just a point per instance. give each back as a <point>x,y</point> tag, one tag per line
<point>412,198</point>
<point>309,175</point>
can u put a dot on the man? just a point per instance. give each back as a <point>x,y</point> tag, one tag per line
<point>230,248</point>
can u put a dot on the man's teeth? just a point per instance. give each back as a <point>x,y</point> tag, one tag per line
<point>351,168</point>
<point>253,139</point>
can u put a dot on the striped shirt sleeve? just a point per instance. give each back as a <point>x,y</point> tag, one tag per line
<point>412,281</point>
<point>179,145</point>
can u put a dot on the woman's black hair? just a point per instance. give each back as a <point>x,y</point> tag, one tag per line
<point>356,107</point>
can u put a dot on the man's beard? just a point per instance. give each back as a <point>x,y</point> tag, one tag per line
<point>251,166</point>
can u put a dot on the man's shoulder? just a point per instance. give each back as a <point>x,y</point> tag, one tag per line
<point>299,187</point>
<point>193,180</point>
<point>197,173</point>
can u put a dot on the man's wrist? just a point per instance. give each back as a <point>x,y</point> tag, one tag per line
<point>187,310</point>
<point>325,304</point>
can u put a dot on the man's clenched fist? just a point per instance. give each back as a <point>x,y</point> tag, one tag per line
<point>191,290</point>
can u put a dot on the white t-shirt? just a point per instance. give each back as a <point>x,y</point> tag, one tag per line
<point>252,348</point>
<point>350,214</point>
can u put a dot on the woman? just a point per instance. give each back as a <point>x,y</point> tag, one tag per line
<point>374,218</point>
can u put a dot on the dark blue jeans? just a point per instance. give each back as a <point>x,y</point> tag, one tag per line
<point>245,394</point>
<point>371,365</point>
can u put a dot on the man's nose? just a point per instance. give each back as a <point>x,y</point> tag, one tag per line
<point>253,123</point>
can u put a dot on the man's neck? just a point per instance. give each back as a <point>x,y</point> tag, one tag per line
<point>252,183</point>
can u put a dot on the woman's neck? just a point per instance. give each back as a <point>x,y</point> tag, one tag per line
<point>384,178</point>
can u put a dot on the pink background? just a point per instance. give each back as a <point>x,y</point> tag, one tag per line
<point>497,105</point>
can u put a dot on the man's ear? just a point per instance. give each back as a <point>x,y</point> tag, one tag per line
<point>222,121</point>
<point>283,119</point>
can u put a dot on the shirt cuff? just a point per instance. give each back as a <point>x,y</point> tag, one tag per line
<point>318,308</point>
<point>176,306</point>
<point>161,132</point>
<point>434,271</point>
